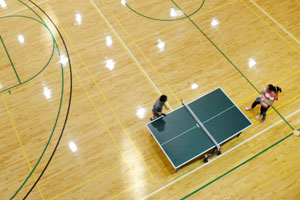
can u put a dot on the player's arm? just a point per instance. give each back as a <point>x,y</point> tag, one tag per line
<point>166,107</point>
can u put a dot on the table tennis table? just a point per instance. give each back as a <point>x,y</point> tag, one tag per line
<point>198,128</point>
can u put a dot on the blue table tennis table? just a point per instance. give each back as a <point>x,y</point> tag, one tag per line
<point>198,128</point>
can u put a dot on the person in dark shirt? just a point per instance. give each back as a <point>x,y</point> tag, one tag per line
<point>158,106</point>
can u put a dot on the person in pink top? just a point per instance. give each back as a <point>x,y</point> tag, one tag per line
<point>266,99</point>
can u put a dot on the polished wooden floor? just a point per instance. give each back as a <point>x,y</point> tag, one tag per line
<point>78,80</point>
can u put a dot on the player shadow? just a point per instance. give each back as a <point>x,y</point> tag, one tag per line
<point>159,124</point>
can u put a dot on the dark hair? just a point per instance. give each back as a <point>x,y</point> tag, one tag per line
<point>271,87</point>
<point>163,98</point>
<point>278,89</point>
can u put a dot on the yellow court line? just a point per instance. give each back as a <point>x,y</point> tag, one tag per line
<point>286,77</point>
<point>280,106</point>
<point>105,99</point>
<point>139,49</point>
<point>20,141</point>
<point>99,115</point>
<point>182,21</point>
<point>88,96</point>
<point>282,28</point>
<point>275,83</point>
<point>148,60</point>
<point>88,181</point>
<point>26,85</point>
<point>132,187</point>
<point>128,51</point>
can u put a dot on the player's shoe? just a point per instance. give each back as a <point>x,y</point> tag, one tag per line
<point>258,116</point>
<point>248,108</point>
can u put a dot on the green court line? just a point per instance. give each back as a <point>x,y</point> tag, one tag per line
<point>11,62</point>
<point>152,18</point>
<point>46,65</point>
<point>255,89</point>
<point>229,61</point>
<point>59,109</point>
<point>238,166</point>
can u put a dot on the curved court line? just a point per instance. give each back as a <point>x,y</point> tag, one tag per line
<point>250,84</point>
<point>118,22</point>
<point>70,96</point>
<point>230,62</point>
<point>218,157</point>
<point>11,62</point>
<point>245,99</point>
<point>47,63</point>
<point>127,49</point>
<point>22,9</point>
<point>152,18</point>
<point>138,64</point>
<point>61,99</point>
<point>176,24</point>
<point>20,141</point>
<point>107,102</point>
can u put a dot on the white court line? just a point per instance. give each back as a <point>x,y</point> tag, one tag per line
<point>275,21</point>
<point>178,135</point>
<point>25,8</point>
<point>132,56</point>
<point>196,169</point>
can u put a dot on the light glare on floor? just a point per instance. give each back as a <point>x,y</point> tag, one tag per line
<point>3,4</point>
<point>110,64</point>
<point>63,60</point>
<point>175,13</point>
<point>194,86</point>
<point>78,19</point>
<point>160,45</point>
<point>108,41</point>
<point>47,92</point>
<point>73,146</point>
<point>141,113</point>
<point>21,39</point>
<point>123,2</point>
<point>214,22</point>
<point>251,62</point>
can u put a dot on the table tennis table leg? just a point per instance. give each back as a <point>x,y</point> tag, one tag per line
<point>215,152</point>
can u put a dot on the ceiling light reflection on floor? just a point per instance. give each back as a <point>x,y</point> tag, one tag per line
<point>78,19</point>
<point>21,39</point>
<point>141,113</point>
<point>251,62</point>
<point>73,146</point>
<point>3,4</point>
<point>194,86</point>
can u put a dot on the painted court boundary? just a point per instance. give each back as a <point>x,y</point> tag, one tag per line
<point>196,169</point>
<point>271,18</point>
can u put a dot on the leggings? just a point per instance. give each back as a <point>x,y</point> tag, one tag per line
<point>263,110</point>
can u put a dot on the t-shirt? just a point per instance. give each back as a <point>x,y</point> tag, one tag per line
<point>158,106</point>
<point>266,98</point>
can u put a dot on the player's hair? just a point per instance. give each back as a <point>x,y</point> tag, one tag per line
<point>163,98</point>
<point>271,87</point>
<point>278,89</point>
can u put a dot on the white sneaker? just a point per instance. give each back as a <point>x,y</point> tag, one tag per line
<point>248,108</point>
<point>258,116</point>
